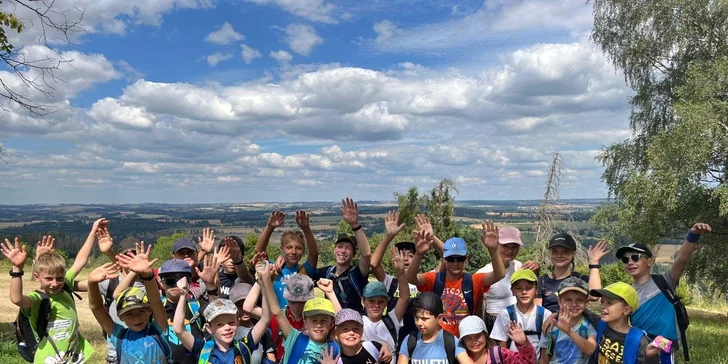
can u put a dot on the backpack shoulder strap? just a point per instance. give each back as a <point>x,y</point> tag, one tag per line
<point>553,337</point>
<point>329,271</point>
<point>411,344</point>
<point>439,285</point>
<point>389,324</point>
<point>333,345</point>
<point>512,312</point>
<point>540,312</point>
<point>601,327</point>
<point>109,296</point>
<point>632,345</point>
<point>467,285</point>
<point>662,284</point>
<point>157,334</point>
<point>206,351</point>
<point>393,288</point>
<point>354,279</point>
<point>119,341</point>
<point>496,354</point>
<point>247,354</point>
<point>541,288</point>
<point>299,346</point>
<point>449,346</point>
<point>194,306</point>
<point>44,313</point>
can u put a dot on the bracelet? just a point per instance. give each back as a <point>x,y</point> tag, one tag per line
<point>213,293</point>
<point>692,238</point>
<point>357,228</point>
<point>16,274</point>
<point>238,263</point>
<point>595,266</point>
<point>151,276</point>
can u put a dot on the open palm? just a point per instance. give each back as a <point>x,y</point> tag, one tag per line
<point>490,235</point>
<point>16,254</point>
<point>350,211</point>
<point>104,272</point>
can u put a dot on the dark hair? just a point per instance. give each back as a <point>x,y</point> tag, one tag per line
<point>240,242</point>
<point>428,301</point>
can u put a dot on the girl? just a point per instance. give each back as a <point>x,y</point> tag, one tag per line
<point>474,338</point>
<point>562,251</point>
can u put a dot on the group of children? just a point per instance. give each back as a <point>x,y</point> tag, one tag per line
<point>206,305</point>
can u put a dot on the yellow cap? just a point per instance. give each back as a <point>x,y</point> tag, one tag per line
<point>619,290</point>
<point>526,274</point>
<point>130,299</point>
<point>318,306</point>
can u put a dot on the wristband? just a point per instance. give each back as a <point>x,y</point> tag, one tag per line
<point>238,263</point>
<point>212,293</point>
<point>16,274</point>
<point>692,238</point>
<point>151,276</point>
<point>357,228</point>
<point>595,266</point>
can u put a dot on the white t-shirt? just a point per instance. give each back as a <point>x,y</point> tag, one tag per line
<point>528,320</point>
<point>388,280</point>
<point>377,331</point>
<point>499,296</point>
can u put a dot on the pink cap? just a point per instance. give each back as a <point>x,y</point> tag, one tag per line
<point>508,235</point>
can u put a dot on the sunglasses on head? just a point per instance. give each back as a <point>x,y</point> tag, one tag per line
<point>456,258</point>
<point>634,257</point>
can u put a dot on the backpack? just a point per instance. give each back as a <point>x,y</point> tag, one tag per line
<point>154,332</point>
<point>210,346</point>
<point>350,276</point>
<point>390,294</point>
<point>194,306</point>
<point>540,312</point>
<point>631,343</point>
<point>109,296</point>
<point>466,285</point>
<point>299,347</point>
<point>496,354</point>
<point>26,338</point>
<point>449,345</point>
<point>683,321</point>
<point>583,332</point>
<point>389,324</point>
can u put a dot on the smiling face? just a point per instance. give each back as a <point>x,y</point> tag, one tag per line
<point>51,282</point>
<point>223,328</point>
<point>573,301</point>
<point>349,333</point>
<point>561,257</point>
<point>614,309</point>
<point>474,343</point>
<point>343,253</point>
<point>318,327</point>
<point>508,252</point>
<point>292,250</point>
<point>137,319</point>
<point>188,255</point>
<point>375,307</point>
<point>524,291</point>
<point>640,268</point>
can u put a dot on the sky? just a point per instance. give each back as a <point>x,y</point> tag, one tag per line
<point>208,101</point>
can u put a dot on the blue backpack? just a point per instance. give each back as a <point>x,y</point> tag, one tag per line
<point>467,287</point>
<point>631,343</point>
<point>540,312</point>
<point>299,347</point>
<point>154,332</point>
<point>210,345</point>
<point>350,276</point>
<point>194,306</point>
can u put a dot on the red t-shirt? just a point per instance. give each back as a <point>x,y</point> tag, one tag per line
<point>278,339</point>
<point>455,307</point>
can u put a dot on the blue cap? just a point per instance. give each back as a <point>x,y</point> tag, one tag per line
<point>184,243</point>
<point>455,246</point>
<point>175,266</point>
<point>375,289</point>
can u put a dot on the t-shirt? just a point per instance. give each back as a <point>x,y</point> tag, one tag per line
<point>547,288</point>
<point>62,325</point>
<point>453,300</point>
<point>655,314</point>
<point>279,284</point>
<point>104,287</point>
<point>565,350</point>
<point>227,281</point>
<point>348,293</point>
<point>429,353</point>
<point>499,296</point>
<point>408,320</point>
<point>278,337</point>
<point>179,352</point>
<point>217,356</point>
<point>138,347</point>
<point>369,354</point>
<point>611,349</point>
<point>311,355</point>
<point>264,346</point>
<point>528,320</point>
<point>377,331</point>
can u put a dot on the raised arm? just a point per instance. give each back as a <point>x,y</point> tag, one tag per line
<point>85,251</point>
<point>585,345</point>
<point>595,254</point>
<point>686,250</point>
<point>264,271</point>
<point>275,220</point>
<point>46,245</point>
<point>106,243</point>
<point>423,244</point>
<point>17,254</point>
<point>125,282</point>
<point>400,308</point>
<point>303,221</point>
<point>490,241</point>
<point>249,305</point>
<point>262,325</point>
<point>95,301</point>
<point>141,265</point>
<point>392,228</point>
<point>350,213</point>
<point>423,224</point>
<point>211,268</point>
<point>327,286</point>
<point>178,323</point>
<point>207,243</point>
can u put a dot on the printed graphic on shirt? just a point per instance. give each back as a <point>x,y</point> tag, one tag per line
<point>610,352</point>
<point>456,308</point>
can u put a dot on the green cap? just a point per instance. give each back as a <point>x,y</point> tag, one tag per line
<point>619,290</point>
<point>526,274</point>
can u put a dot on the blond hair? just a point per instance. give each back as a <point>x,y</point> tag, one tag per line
<point>295,235</point>
<point>50,263</point>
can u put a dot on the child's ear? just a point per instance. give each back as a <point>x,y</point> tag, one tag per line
<point>35,276</point>
<point>440,317</point>
<point>207,328</point>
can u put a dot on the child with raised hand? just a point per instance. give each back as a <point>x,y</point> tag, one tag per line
<point>62,341</point>
<point>266,349</point>
<point>618,342</point>
<point>573,340</point>
<point>140,339</point>
<point>475,341</point>
<point>354,350</point>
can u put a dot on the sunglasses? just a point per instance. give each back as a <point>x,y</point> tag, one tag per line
<point>456,258</point>
<point>171,281</point>
<point>634,257</point>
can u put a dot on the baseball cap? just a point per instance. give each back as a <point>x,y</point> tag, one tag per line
<point>375,289</point>
<point>472,325</point>
<point>405,245</point>
<point>219,307</point>
<point>184,243</point>
<point>563,239</point>
<point>299,288</point>
<point>636,247</point>
<point>127,244</point>
<point>573,284</point>
<point>346,238</point>
<point>239,291</point>
<point>429,301</point>
<point>175,266</point>
<point>348,314</point>
<point>619,290</point>
<point>526,274</point>
<point>131,299</point>
<point>318,306</point>
<point>455,246</point>
<point>509,235</point>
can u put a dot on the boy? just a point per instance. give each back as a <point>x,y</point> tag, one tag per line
<point>318,316</point>
<point>617,341</point>
<point>266,349</point>
<point>233,269</point>
<point>431,344</point>
<point>530,316</point>
<point>573,340</point>
<point>379,327</point>
<point>348,332</point>
<point>656,314</point>
<point>63,340</point>
<point>292,249</point>
<point>457,289</point>
<point>139,339</point>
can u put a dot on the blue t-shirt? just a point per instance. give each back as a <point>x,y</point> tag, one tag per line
<point>565,350</point>
<point>233,355</point>
<point>311,355</point>
<point>279,284</point>
<point>429,353</point>
<point>655,315</point>
<point>138,347</point>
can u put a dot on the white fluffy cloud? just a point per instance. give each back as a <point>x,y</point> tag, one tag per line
<point>314,10</point>
<point>215,58</point>
<point>302,38</point>
<point>225,34</point>
<point>248,54</point>
<point>281,56</point>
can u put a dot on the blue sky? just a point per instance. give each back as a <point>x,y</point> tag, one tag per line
<point>183,101</point>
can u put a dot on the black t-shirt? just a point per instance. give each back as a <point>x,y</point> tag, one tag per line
<point>408,320</point>
<point>364,356</point>
<point>611,349</point>
<point>227,281</point>
<point>179,353</point>
<point>346,291</point>
<point>547,288</point>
